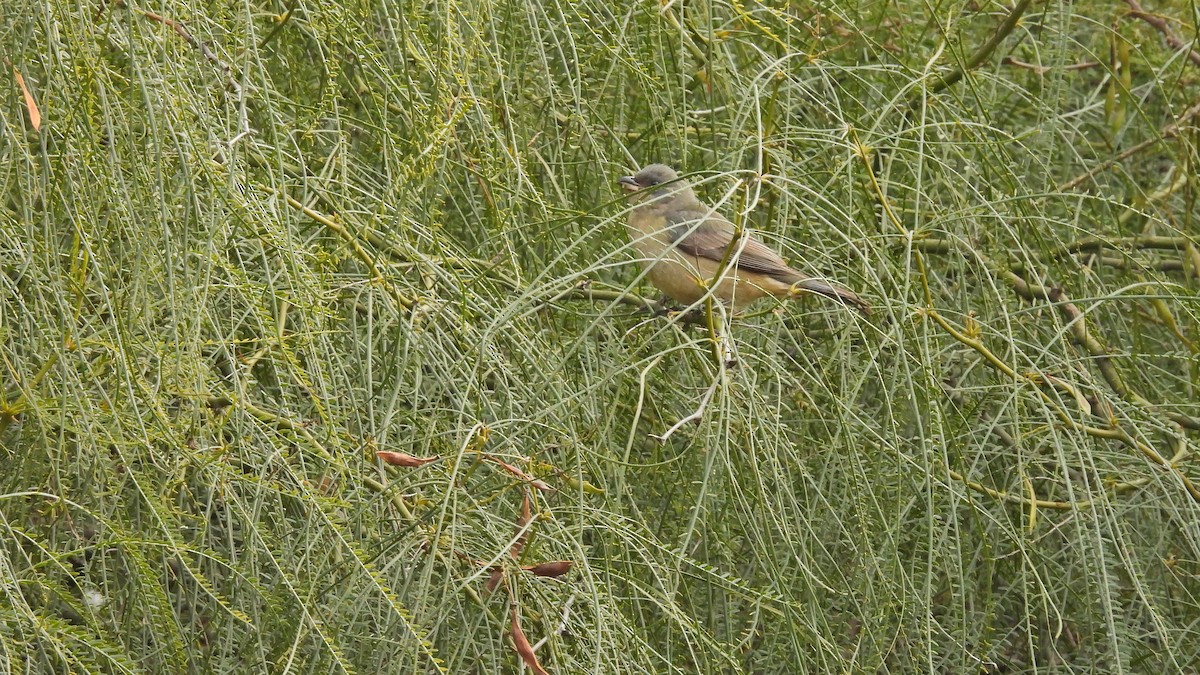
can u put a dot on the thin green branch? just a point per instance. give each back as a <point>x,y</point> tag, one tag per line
<point>359,252</point>
<point>976,59</point>
<point>1170,131</point>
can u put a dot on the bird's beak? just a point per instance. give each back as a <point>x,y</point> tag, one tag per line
<point>628,183</point>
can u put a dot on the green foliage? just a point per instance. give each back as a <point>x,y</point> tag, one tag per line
<point>251,245</point>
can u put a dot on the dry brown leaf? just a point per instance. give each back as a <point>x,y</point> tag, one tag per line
<point>553,568</point>
<point>35,115</point>
<point>494,580</point>
<point>402,459</point>
<point>539,484</point>
<point>524,649</point>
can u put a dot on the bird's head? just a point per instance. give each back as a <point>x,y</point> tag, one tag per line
<point>655,182</point>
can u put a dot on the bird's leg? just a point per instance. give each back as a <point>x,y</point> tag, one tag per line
<point>694,316</point>
<point>667,305</point>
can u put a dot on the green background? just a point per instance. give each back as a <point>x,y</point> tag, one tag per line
<point>249,245</point>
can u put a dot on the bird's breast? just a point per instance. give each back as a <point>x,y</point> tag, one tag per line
<point>685,277</point>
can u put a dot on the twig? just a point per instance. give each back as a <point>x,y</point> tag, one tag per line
<point>1160,24</point>
<point>562,623</point>
<point>183,32</point>
<point>949,79</point>
<point>1042,70</point>
<point>1113,432</point>
<point>288,424</point>
<point>981,54</point>
<point>956,397</point>
<point>1169,131</point>
<point>695,416</point>
<point>396,498</point>
<point>1093,244</point>
<point>281,21</point>
<point>1077,325</point>
<point>1161,265</point>
<point>685,35</point>
<point>359,252</point>
<point>1018,499</point>
<point>584,291</point>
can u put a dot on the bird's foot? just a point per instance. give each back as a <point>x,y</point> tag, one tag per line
<point>667,306</point>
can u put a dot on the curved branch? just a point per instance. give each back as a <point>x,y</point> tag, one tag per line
<point>1160,25</point>
<point>981,54</point>
<point>1169,131</point>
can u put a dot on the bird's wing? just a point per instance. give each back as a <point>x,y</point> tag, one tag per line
<point>701,233</point>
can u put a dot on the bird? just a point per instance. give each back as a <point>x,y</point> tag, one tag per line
<point>683,244</point>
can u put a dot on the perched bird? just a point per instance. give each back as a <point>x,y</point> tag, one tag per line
<point>683,243</point>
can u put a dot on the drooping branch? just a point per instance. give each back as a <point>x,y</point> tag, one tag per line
<point>1095,244</point>
<point>1082,336</point>
<point>1077,326</point>
<point>1160,24</point>
<point>1168,132</point>
<point>1042,70</point>
<point>1189,261</point>
<point>1111,432</point>
<point>182,31</point>
<point>985,50</point>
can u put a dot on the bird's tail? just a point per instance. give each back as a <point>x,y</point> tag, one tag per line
<point>810,285</point>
